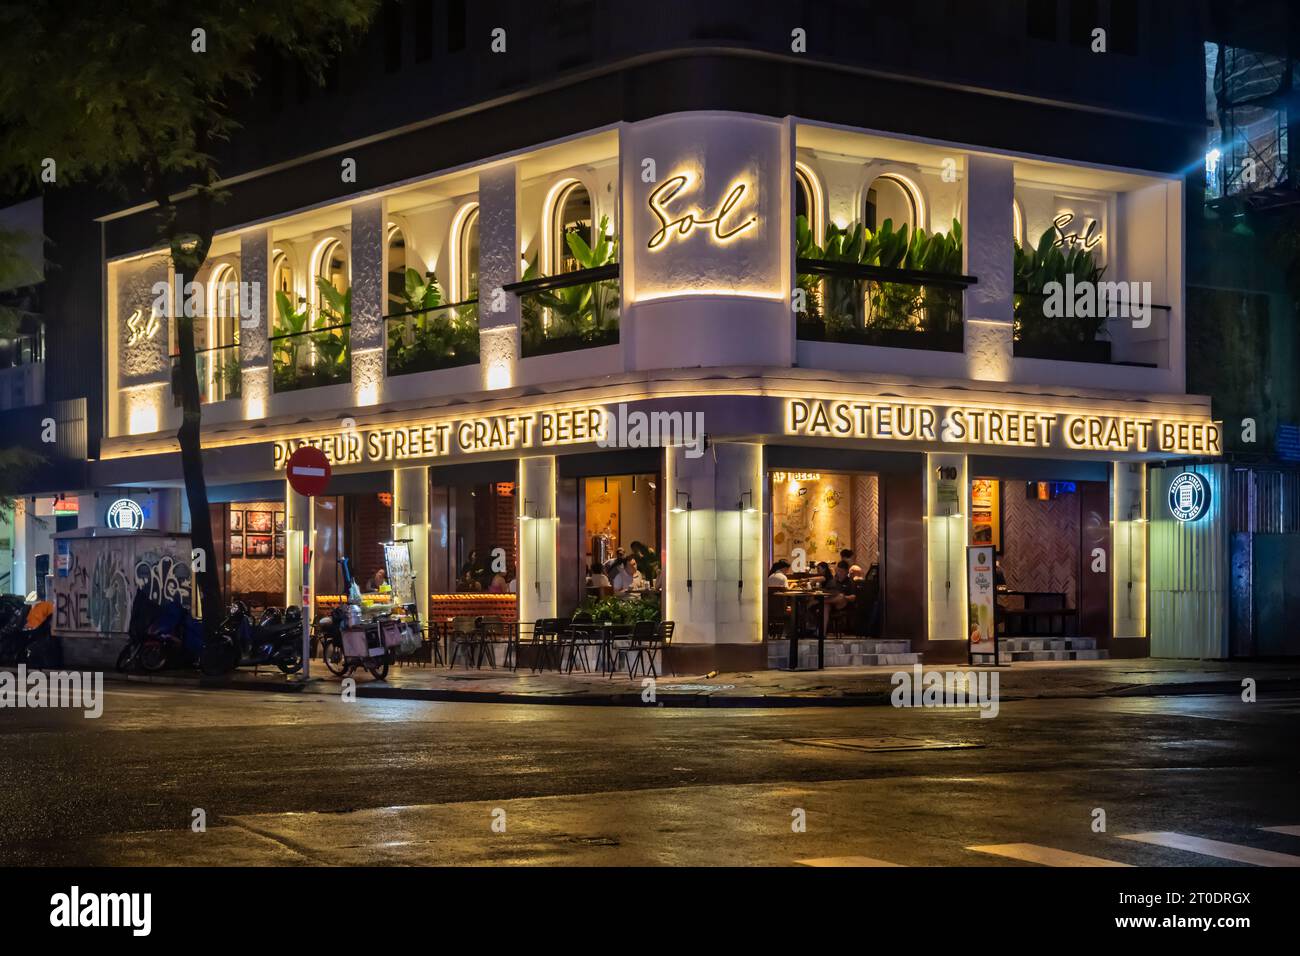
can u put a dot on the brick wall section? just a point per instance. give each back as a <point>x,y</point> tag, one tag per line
<point>371,524</point>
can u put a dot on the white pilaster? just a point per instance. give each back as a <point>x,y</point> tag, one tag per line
<point>946,522</point>
<point>498,312</point>
<point>537,538</point>
<point>987,235</point>
<point>369,250</point>
<point>411,521</point>
<point>1129,526</point>
<point>257,315</point>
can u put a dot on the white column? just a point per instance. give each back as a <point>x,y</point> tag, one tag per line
<point>369,250</point>
<point>946,524</point>
<point>713,545</point>
<point>1129,526</point>
<point>257,316</point>
<point>139,401</point>
<point>299,528</point>
<point>498,266</point>
<point>411,520</point>
<point>988,194</point>
<point>537,538</point>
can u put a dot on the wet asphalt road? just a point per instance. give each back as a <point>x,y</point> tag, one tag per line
<point>308,779</point>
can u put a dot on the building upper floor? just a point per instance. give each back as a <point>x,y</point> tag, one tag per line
<point>709,239</point>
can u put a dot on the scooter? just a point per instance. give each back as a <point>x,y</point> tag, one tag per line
<point>241,643</point>
<point>13,625</point>
<point>374,657</point>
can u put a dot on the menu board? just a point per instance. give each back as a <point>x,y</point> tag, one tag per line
<point>397,561</point>
<point>983,630</point>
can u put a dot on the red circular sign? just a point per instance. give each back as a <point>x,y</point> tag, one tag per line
<point>308,470</point>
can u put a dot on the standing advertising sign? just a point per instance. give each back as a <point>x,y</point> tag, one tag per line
<point>397,562</point>
<point>982,596</point>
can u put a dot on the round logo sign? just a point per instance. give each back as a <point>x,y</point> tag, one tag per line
<point>308,470</point>
<point>1189,496</point>
<point>125,513</point>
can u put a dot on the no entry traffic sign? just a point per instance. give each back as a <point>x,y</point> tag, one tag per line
<point>308,470</point>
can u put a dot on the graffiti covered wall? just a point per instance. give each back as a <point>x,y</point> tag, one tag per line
<point>93,598</point>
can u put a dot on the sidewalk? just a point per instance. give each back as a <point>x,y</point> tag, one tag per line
<point>856,686</point>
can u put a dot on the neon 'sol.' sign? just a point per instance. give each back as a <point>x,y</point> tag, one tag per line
<point>671,224</point>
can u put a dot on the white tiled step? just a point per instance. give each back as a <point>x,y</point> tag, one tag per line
<point>846,652</point>
<point>1050,649</point>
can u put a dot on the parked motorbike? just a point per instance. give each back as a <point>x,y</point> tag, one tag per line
<point>159,636</point>
<point>373,657</point>
<point>13,624</point>
<point>242,643</point>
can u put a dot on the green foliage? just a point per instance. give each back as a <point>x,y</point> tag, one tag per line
<point>431,335</point>
<point>848,307</point>
<point>618,610</point>
<point>311,356</point>
<point>1035,268</point>
<point>16,271</point>
<point>584,315</point>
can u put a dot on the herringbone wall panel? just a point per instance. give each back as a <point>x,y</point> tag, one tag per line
<point>1040,542</point>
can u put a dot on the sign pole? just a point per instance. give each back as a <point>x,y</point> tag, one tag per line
<point>308,471</point>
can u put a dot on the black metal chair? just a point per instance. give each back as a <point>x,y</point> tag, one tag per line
<point>581,635</point>
<point>466,637</point>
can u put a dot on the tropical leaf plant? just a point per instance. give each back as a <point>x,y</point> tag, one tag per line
<point>846,305</point>
<point>1035,269</point>
<point>431,334</point>
<point>586,314</point>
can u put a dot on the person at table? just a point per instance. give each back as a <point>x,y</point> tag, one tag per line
<point>841,591</point>
<point>822,578</point>
<point>628,579</point>
<point>377,581</point>
<point>776,577</point>
<point>598,580</point>
<point>613,565</point>
<point>499,583</point>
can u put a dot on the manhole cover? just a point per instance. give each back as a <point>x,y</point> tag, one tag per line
<point>883,744</point>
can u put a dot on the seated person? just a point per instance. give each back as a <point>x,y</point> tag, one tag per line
<point>498,585</point>
<point>628,578</point>
<point>377,580</point>
<point>841,591</point>
<point>823,576</point>
<point>776,575</point>
<point>597,579</point>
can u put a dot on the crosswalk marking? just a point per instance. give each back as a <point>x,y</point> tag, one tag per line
<point>1215,848</point>
<point>845,861</point>
<point>1045,855</point>
<point>1289,831</point>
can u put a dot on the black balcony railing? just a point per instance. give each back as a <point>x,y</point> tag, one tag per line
<point>218,372</point>
<point>872,305</point>
<point>573,310</point>
<point>428,339</point>
<point>311,358</point>
<point>1081,337</point>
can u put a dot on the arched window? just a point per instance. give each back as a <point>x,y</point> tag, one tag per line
<point>396,270</point>
<point>464,271</point>
<point>892,197</point>
<point>572,214</point>
<point>282,273</point>
<point>223,306</point>
<point>332,266</point>
<point>808,199</point>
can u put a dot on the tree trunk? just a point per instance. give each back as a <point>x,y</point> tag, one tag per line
<point>196,487</point>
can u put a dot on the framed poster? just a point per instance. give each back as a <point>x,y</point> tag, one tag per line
<point>279,522</point>
<point>279,545</point>
<point>236,521</point>
<point>983,630</point>
<point>258,545</point>
<point>985,513</point>
<point>258,522</point>
<point>236,546</point>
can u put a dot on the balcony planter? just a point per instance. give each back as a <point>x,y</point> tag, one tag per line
<point>944,340</point>
<point>433,337</point>
<point>571,343</point>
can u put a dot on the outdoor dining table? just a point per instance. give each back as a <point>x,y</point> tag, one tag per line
<point>805,603</point>
<point>608,634</point>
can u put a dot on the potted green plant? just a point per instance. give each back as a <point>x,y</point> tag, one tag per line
<point>578,316</point>
<point>1067,337</point>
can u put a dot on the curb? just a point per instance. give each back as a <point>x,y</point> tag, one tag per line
<point>317,685</point>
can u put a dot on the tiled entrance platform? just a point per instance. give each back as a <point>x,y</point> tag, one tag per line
<point>845,652</point>
<point>1050,649</point>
